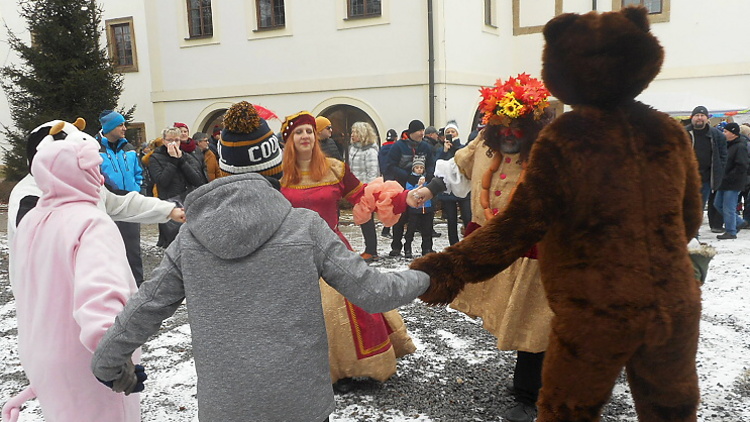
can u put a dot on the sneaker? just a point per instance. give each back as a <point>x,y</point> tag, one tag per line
<point>369,257</point>
<point>719,230</point>
<point>726,235</point>
<point>408,254</point>
<point>394,253</point>
<point>521,412</point>
<point>743,226</point>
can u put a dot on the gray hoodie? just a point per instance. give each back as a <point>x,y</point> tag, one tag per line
<point>248,264</point>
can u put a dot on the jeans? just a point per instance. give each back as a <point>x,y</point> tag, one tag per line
<point>715,220</point>
<point>705,193</point>
<point>726,203</point>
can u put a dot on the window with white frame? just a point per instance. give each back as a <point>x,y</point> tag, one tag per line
<point>121,44</point>
<point>364,8</point>
<point>653,6</point>
<point>270,14</point>
<point>658,10</point>
<point>200,20</point>
<point>489,13</point>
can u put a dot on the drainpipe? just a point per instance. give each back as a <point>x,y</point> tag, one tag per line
<point>431,60</point>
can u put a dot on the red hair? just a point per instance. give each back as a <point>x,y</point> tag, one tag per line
<point>319,165</point>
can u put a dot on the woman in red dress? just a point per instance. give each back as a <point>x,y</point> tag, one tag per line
<point>360,344</point>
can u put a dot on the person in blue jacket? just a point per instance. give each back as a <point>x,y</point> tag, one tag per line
<point>122,174</point>
<point>398,167</point>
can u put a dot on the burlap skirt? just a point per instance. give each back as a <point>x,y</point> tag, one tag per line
<point>513,307</point>
<point>362,344</point>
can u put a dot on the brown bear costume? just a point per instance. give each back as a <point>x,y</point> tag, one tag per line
<point>611,193</point>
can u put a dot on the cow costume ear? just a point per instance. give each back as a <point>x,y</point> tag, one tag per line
<point>57,128</point>
<point>80,123</point>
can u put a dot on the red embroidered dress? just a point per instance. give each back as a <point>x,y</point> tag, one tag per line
<point>360,344</point>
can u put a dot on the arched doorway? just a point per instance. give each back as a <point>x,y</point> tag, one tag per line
<point>342,117</point>
<point>215,120</point>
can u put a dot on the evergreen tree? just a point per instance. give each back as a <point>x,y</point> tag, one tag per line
<point>65,73</point>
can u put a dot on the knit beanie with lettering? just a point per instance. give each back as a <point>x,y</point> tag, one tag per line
<point>247,144</point>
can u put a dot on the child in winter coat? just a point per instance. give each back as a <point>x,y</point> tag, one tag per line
<point>420,219</point>
<point>71,278</point>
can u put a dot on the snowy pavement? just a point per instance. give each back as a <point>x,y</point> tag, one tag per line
<point>457,374</point>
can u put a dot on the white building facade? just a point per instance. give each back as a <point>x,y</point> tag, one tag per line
<point>383,61</point>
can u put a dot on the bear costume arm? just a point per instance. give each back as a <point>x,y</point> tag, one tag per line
<point>533,204</point>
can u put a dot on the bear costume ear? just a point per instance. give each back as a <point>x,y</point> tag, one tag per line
<point>638,15</point>
<point>558,25</point>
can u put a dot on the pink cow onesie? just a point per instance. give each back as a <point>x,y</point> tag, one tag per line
<point>71,280</point>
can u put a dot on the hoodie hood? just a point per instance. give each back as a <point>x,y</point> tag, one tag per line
<point>68,171</point>
<point>234,216</point>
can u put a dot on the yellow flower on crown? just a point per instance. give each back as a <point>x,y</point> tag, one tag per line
<point>513,108</point>
<point>512,99</point>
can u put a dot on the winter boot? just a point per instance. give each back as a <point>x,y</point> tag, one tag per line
<point>407,251</point>
<point>521,412</point>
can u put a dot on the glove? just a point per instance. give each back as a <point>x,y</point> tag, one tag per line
<point>130,380</point>
<point>140,374</point>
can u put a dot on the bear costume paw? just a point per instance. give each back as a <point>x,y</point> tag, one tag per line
<point>445,282</point>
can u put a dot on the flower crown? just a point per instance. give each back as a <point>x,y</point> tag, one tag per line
<point>516,98</point>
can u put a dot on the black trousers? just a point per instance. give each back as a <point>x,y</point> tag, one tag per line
<point>398,231</point>
<point>450,212</point>
<point>131,236</point>
<point>422,222</point>
<point>745,208</point>
<point>527,377</point>
<point>371,236</point>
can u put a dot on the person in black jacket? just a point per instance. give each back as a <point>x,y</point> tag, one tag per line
<point>175,174</point>
<point>451,202</point>
<point>745,194</point>
<point>385,148</point>
<point>710,148</point>
<point>734,180</point>
<point>327,143</point>
<point>398,166</point>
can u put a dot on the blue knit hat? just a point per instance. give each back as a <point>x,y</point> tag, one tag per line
<point>110,120</point>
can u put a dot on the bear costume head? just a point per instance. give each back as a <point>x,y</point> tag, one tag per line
<point>602,60</point>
